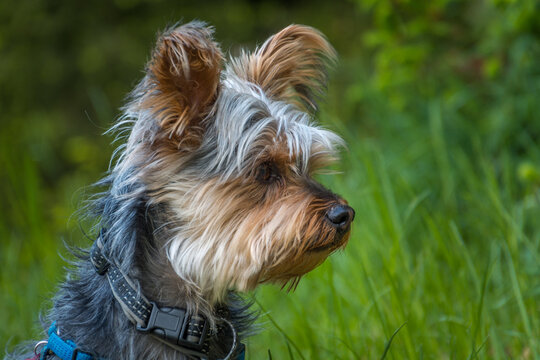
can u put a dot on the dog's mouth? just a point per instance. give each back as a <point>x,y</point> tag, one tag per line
<point>340,239</point>
<point>319,248</point>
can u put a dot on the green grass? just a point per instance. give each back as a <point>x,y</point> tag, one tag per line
<point>449,259</point>
<point>444,258</point>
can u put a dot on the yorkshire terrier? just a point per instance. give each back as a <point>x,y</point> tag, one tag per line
<point>211,195</point>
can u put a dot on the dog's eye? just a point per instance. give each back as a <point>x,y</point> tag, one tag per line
<point>267,173</point>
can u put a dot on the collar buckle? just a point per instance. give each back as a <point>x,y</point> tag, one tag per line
<point>174,326</point>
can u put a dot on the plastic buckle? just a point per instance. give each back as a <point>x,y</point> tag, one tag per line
<point>171,325</point>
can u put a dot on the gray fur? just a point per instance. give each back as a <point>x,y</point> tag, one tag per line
<point>147,204</point>
<point>84,307</point>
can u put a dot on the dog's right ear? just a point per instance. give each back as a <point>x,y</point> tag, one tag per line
<point>183,79</point>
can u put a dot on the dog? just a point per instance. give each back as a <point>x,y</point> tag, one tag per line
<point>211,195</point>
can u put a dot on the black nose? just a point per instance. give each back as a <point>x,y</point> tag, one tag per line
<point>340,216</point>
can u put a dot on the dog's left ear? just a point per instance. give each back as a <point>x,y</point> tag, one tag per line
<point>291,66</point>
<point>183,79</point>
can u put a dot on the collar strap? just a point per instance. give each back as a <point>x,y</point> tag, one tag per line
<point>185,332</point>
<point>64,349</point>
<point>67,350</point>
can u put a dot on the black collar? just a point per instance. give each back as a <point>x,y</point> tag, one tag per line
<point>188,333</point>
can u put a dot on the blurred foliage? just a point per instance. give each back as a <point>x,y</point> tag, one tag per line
<point>468,53</point>
<point>438,99</point>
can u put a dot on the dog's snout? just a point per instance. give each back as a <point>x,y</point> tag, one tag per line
<point>340,216</point>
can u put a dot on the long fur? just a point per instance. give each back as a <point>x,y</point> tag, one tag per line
<point>212,192</point>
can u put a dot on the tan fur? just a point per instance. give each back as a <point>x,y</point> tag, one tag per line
<point>290,66</point>
<point>200,158</point>
<point>184,77</point>
<point>266,234</point>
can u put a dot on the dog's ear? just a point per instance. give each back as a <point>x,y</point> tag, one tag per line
<point>291,66</point>
<point>183,80</point>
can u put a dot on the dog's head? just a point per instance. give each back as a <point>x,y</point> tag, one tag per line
<point>229,152</point>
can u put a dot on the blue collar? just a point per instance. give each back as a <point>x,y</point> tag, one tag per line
<point>67,349</point>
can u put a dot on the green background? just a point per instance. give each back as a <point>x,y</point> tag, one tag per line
<point>438,102</point>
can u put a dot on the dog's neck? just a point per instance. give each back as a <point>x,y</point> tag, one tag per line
<point>86,311</point>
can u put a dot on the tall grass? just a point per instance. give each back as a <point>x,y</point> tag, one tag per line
<point>443,262</point>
